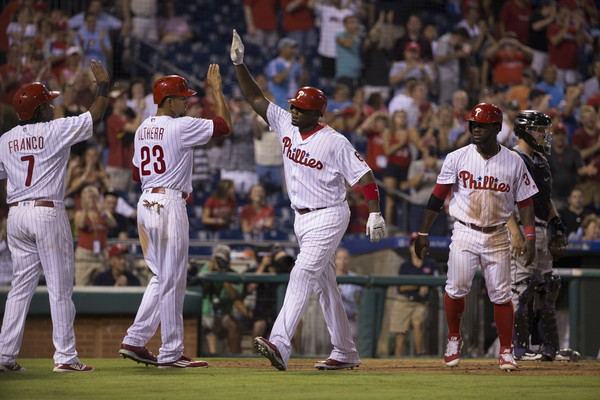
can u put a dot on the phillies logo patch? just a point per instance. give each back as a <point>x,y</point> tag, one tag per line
<point>299,156</point>
<point>482,182</point>
<point>358,156</point>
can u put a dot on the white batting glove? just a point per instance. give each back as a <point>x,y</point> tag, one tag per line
<point>375,226</point>
<point>237,49</point>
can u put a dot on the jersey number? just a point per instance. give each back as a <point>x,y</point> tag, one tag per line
<point>159,160</point>
<point>526,177</point>
<point>30,162</point>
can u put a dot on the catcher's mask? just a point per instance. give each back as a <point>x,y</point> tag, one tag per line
<point>535,128</point>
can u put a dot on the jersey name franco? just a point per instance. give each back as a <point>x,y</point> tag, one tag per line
<point>34,157</point>
<point>316,167</point>
<point>485,191</point>
<point>162,150</point>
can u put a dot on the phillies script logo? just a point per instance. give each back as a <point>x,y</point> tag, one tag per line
<point>483,183</point>
<point>299,156</point>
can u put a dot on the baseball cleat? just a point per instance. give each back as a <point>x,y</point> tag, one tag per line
<point>529,355</point>
<point>75,367</point>
<point>12,367</point>
<point>331,364</point>
<point>139,354</point>
<point>507,361</point>
<point>270,351</point>
<point>453,349</point>
<point>184,362</point>
<point>567,355</point>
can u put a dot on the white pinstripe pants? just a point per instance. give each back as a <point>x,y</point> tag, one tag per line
<point>319,233</point>
<point>166,256</point>
<point>40,239</point>
<point>471,249</point>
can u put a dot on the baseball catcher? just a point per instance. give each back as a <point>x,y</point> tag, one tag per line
<point>536,285</point>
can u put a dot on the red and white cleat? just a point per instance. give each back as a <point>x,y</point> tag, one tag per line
<point>75,367</point>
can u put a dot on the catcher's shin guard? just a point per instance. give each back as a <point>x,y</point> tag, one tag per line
<point>547,325</point>
<point>524,291</point>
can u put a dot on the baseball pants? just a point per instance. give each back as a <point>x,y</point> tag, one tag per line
<point>319,234</point>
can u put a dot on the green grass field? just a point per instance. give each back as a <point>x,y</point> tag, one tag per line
<point>123,379</point>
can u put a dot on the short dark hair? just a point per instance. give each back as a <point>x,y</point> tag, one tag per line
<point>462,31</point>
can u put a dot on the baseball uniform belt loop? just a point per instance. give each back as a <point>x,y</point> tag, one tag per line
<point>35,203</point>
<point>164,190</point>
<point>303,211</point>
<point>484,229</point>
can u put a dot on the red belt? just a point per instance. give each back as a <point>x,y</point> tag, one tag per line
<point>36,203</point>
<point>163,191</point>
<point>484,229</point>
<point>303,211</point>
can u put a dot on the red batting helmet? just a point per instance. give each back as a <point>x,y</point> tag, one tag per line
<point>486,113</point>
<point>30,97</point>
<point>310,98</point>
<point>172,85</point>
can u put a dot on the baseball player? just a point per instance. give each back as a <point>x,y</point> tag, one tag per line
<point>317,163</point>
<point>163,159</point>
<point>34,156</point>
<point>484,180</point>
<point>537,283</point>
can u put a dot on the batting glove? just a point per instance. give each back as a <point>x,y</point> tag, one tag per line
<point>237,49</point>
<point>375,226</point>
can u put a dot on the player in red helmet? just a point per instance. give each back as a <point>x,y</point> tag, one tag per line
<point>172,85</point>
<point>34,156</point>
<point>484,180</point>
<point>310,98</point>
<point>30,97</point>
<point>318,162</point>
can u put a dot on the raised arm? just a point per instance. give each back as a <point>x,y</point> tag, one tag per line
<point>214,81</point>
<point>252,92</point>
<point>98,107</point>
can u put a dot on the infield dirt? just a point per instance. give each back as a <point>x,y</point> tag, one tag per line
<point>430,366</point>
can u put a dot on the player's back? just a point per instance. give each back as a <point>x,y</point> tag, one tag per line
<point>163,150</point>
<point>34,157</point>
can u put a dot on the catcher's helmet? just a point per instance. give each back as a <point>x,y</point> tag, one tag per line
<point>172,85</point>
<point>29,98</point>
<point>535,128</point>
<point>310,98</point>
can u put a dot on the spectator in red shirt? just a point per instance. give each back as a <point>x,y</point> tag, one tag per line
<point>586,139</point>
<point>514,17</point>
<point>564,36</point>
<point>373,128</point>
<point>219,209</point>
<point>258,216</point>
<point>299,24</point>
<point>120,129</point>
<point>508,58</point>
<point>261,22</point>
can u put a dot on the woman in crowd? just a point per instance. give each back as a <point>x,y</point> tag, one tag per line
<point>258,216</point>
<point>219,209</point>
<point>92,225</point>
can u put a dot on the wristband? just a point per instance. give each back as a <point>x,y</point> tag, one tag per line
<point>371,191</point>
<point>422,234</point>
<point>530,232</point>
<point>103,89</point>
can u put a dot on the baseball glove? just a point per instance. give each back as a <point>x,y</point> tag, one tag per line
<point>557,245</point>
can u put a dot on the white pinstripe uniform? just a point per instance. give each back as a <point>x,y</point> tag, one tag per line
<point>163,156</point>
<point>34,158</point>
<point>316,170</point>
<point>484,193</point>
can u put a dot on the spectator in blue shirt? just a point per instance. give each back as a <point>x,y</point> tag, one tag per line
<point>94,42</point>
<point>286,73</point>
<point>348,63</point>
<point>555,89</point>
